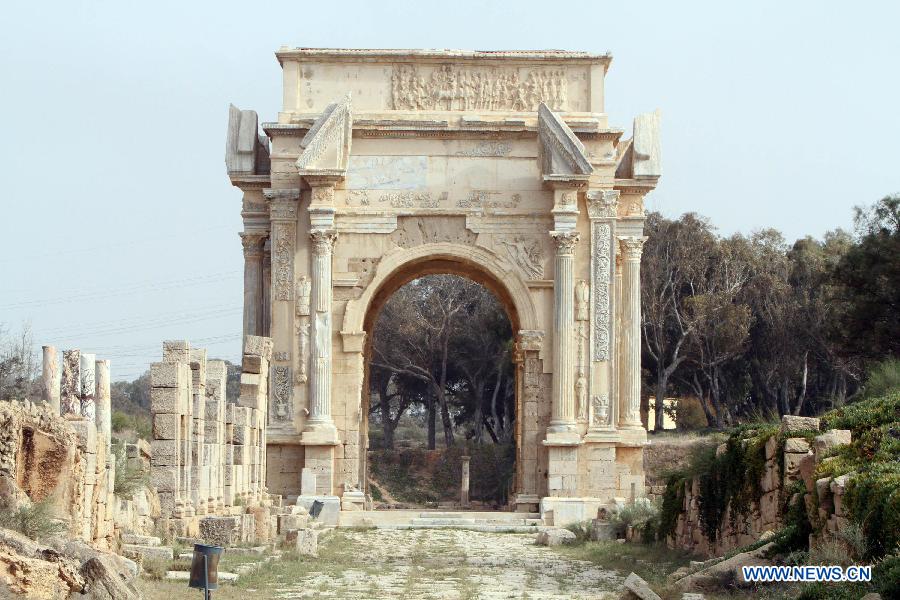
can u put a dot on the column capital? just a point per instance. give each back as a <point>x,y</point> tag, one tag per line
<point>632,247</point>
<point>323,240</point>
<point>602,204</point>
<point>565,242</point>
<point>252,242</point>
<point>282,203</point>
<point>530,340</point>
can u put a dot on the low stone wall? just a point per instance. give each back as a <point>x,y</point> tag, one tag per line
<point>778,485</point>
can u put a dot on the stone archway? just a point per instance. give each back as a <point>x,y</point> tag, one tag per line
<point>401,267</point>
<point>517,179</point>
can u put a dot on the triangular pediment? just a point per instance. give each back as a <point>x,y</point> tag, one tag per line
<point>562,153</point>
<point>326,147</point>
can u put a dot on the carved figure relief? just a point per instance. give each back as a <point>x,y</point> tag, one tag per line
<point>600,406</point>
<point>602,204</point>
<point>283,261</point>
<point>582,300</point>
<point>581,395</point>
<point>303,351</point>
<point>532,373</point>
<point>527,254</point>
<point>601,264</point>
<point>464,88</point>
<point>485,199</point>
<point>282,388</point>
<point>281,356</point>
<point>304,287</point>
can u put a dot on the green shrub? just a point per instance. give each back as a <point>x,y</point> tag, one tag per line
<point>35,521</point>
<point>883,378</point>
<point>155,568</point>
<point>640,516</point>
<point>128,479</point>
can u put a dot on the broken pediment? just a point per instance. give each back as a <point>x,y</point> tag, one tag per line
<point>326,146</point>
<point>640,157</point>
<point>562,153</point>
<point>246,151</point>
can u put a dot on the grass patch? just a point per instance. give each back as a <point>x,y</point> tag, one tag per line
<point>35,521</point>
<point>652,562</point>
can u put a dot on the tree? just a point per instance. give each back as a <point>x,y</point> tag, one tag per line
<point>868,280</point>
<point>18,365</point>
<point>673,268</point>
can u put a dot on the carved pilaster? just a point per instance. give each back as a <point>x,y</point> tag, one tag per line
<point>631,248</point>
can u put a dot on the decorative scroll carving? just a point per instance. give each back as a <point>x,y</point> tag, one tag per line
<point>283,211</point>
<point>283,261</point>
<point>562,153</point>
<point>466,88</point>
<point>322,194</point>
<point>304,287</point>
<point>600,412</point>
<point>282,390</point>
<point>527,254</point>
<point>565,242</point>
<point>601,260</point>
<point>602,204</point>
<point>582,300</point>
<point>531,340</point>
<point>487,149</point>
<point>581,395</point>
<point>281,356</point>
<point>483,199</point>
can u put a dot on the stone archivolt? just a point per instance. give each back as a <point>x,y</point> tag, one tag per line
<point>484,194</point>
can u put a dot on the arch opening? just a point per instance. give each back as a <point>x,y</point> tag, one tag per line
<point>423,413</point>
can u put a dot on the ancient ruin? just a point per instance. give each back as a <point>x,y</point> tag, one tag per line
<point>385,165</point>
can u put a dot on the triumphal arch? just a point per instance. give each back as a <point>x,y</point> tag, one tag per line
<point>384,165</point>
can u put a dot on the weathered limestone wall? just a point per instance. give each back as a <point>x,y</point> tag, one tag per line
<point>800,458</point>
<point>208,456</point>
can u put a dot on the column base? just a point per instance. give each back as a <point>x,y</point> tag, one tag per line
<point>320,434</point>
<point>562,438</point>
<point>602,435</point>
<point>632,437</point>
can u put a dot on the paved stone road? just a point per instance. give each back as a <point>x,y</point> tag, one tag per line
<point>448,564</point>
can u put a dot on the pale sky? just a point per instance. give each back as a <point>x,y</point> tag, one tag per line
<point>119,227</point>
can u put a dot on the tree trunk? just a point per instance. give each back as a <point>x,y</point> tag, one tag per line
<point>478,418</point>
<point>431,425</point>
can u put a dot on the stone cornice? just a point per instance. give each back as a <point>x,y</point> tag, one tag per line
<point>393,55</point>
<point>250,182</point>
<point>416,126</point>
<point>636,186</point>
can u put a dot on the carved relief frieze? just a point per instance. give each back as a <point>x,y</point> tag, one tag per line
<point>302,375</point>
<point>304,287</point>
<point>282,393</point>
<point>582,300</point>
<point>527,253</point>
<point>581,395</point>
<point>281,356</point>
<point>488,199</point>
<point>602,246</point>
<point>283,261</point>
<point>530,340</point>
<point>451,87</point>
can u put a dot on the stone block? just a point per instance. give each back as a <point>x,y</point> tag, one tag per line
<point>602,530</point>
<point>330,510</point>
<point>164,479</point>
<point>307,482</point>
<point>165,426</point>
<point>831,439</point>
<point>260,346</point>
<point>168,375</point>
<point>796,445</point>
<point>304,541</point>
<point>165,400</point>
<point>251,364</point>
<point>86,431</point>
<point>793,424</point>
<point>221,531</point>
<point>555,537</point>
<point>771,447</point>
<point>639,588</point>
<point>165,453</point>
<point>291,521</point>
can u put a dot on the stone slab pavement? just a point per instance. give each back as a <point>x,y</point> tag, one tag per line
<point>447,564</point>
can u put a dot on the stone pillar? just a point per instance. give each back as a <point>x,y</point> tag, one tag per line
<point>265,326</point>
<point>464,485</point>
<point>563,416</point>
<point>631,330</point>
<point>70,386</point>
<point>320,419</point>
<point>88,386</point>
<point>104,402</point>
<point>253,275</point>
<point>50,378</point>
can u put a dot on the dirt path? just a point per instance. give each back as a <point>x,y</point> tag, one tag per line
<point>445,564</point>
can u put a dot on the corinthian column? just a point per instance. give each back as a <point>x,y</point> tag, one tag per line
<point>253,253</point>
<point>320,375</point>
<point>562,420</point>
<point>631,248</point>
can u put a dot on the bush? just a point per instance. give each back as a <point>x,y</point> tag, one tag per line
<point>155,568</point>
<point>35,521</point>
<point>642,516</point>
<point>582,531</point>
<point>128,479</point>
<point>883,378</point>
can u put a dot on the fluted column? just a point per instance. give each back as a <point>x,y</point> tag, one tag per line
<point>631,248</point>
<point>320,375</point>
<point>50,378</point>
<point>253,255</point>
<point>563,406</point>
